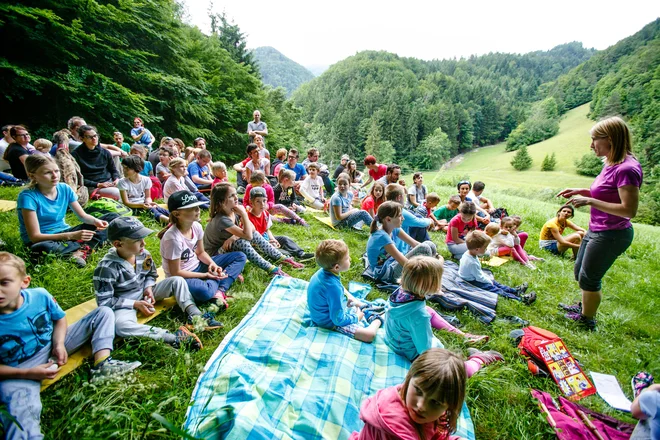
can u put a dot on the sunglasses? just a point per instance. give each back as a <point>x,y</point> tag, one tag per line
<point>23,135</point>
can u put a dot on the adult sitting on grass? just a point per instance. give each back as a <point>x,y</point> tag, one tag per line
<point>41,208</point>
<point>96,164</point>
<point>552,237</point>
<point>614,198</point>
<point>16,153</point>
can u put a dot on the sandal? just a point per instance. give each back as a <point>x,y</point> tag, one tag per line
<point>640,381</point>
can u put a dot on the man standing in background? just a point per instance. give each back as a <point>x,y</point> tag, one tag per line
<point>257,127</point>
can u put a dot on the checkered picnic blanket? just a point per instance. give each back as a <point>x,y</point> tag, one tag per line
<point>281,378</point>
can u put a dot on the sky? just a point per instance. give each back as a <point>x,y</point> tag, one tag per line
<point>320,33</point>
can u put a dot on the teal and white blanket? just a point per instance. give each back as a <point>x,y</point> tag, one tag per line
<point>275,376</point>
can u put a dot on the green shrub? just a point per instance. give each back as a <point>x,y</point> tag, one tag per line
<point>549,162</point>
<point>589,165</point>
<point>522,160</point>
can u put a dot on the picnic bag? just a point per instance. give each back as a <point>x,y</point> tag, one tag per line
<point>533,337</point>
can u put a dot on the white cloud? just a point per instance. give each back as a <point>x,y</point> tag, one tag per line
<point>327,32</point>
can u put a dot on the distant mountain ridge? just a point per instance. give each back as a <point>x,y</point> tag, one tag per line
<point>279,71</point>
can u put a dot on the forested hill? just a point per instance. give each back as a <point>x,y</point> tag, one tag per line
<point>423,112</point>
<point>279,71</point>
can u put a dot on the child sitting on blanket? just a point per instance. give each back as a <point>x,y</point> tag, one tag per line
<point>385,260</point>
<point>37,342</point>
<point>410,322</point>
<point>179,181</point>
<point>426,406</point>
<point>125,281</point>
<point>230,229</point>
<point>507,242</point>
<point>470,270</point>
<point>445,213</point>
<point>328,301</point>
<point>261,220</point>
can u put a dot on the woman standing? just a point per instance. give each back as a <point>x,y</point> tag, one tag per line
<point>614,198</point>
<point>96,164</point>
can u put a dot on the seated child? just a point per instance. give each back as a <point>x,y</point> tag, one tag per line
<point>329,302</point>
<point>37,342</point>
<point>470,270</point>
<point>552,237</point>
<point>42,146</point>
<point>374,199</point>
<point>410,322</point>
<point>285,194</point>
<point>426,208</point>
<point>280,160</point>
<point>179,181</point>
<point>342,214</point>
<point>445,213</point>
<point>385,260</point>
<point>646,408</point>
<point>416,227</point>
<point>458,228</point>
<point>312,187</point>
<point>199,171</point>
<point>125,281</point>
<point>507,242</point>
<point>140,151</point>
<point>230,229</point>
<point>258,180</point>
<point>417,191</point>
<point>183,253</point>
<point>475,195</point>
<point>135,190</point>
<point>165,155</point>
<point>427,405</point>
<point>219,170</point>
<point>256,163</point>
<point>261,220</point>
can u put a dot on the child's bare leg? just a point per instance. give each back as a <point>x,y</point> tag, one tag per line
<point>368,334</point>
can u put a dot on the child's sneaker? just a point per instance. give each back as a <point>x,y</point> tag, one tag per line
<point>529,265</point>
<point>641,381</point>
<point>476,339</point>
<point>486,357</point>
<point>207,321</point>
<point>79,257</point>
<point>307,256</point>
<point>588,323</point>
<point>522,288</point>
<point>278,271</point>
<point>187,339</point>
<point>293,263</point>
<point>573,308</point>
<point>111,368</point>
<point>528,298</point>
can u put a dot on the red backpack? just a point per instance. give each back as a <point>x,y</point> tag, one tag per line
<point>529,348</point>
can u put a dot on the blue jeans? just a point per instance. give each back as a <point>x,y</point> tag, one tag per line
<point>8,177</point>
<point>203,290</point>
<point>500,289</point>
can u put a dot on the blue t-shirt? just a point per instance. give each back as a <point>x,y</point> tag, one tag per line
<point>410,220</point>
<point>327,302</point>
<point>298,169</point>
<point>146,137</point>
<point>649,403</point>
<point>30,328</point>
<point>50,213</point>
<point>148,168</point>
<point>376,253</point>
<point>338,200</point>
<point>195,170</point>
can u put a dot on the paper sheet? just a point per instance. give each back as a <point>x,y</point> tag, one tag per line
<point>609,389</point>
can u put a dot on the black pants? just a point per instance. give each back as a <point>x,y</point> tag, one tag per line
<point>289,246</point>
<point>598,252</point>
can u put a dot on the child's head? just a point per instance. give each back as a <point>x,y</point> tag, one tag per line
<point>259,140</point>
<point>432,200</point>
<point>177,166</point>
<point>333,255</point>
<point>42,170</point>
<point>252,151</point>
<point>43,145</point>
<point>517,220</point>
<point>61,137</point>
<point>127,235</point>
<point>219,169</point>
<point>389,213</point>
<point>492,229</point>
<point>478,188</point>
<point>467,210</point>
<point>258,178</point>
<point>343,182</point>
<point>377,192</point>
<point>463,187</point>
<point>132,164</point>
<point>118,137</point>
<point>418,178</point>
<point>286,177</point>
<point>165,154</point>
<point>139,150</point>
<point>258,200</point>
<point>477,242</point>
<point>422,276</point>
<point>313,169</point>
<point>183,207</point>
<point>507,224</point>
<point>204,157</point>
<point>434,387</point>
<point>394,193</point>
<point>566,212</point>
<point>223,199</point>
<point>454,202</point>
<point>281,154</point>
<point>180,145</point>
<point>13,278</point>
<point>200,143</point>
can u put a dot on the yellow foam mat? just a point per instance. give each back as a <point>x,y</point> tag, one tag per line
<point>76,313</point>
<point>496,261</point>
<point>313,210</point>
<point>324,220</point>
<point>7,205</point>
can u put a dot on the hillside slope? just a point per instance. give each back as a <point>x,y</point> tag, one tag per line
<point>279,71</point>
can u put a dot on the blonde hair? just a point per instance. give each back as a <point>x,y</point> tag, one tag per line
<point>139,150</point>
<point>393,191</point>
<point>286,174</point>
<point>7,259</point>
<point>281,153</point>
<point>386,209</point>
<point>433,198</point>
<point>42,144</point>
<point>218,166</point>
<point>176,162</point>
<point>314,165</point>
<point>258,177</point>
<point>616,131</point>
<point>492,229</point>
<point>422,276</point>
<point>330,252</point>
<point>439,373</point>
<point>343,177</point>
<point>476,239</point>
<point>32,164</point>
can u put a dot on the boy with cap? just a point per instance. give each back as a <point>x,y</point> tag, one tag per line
<point>125,281</point>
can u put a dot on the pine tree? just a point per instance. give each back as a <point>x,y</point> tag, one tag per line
<point>549,162</point>
<point>522,160</point>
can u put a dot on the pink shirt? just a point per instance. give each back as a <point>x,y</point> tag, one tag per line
<point>379,172</point>
<point>172,185</point>
<point>270,195</point>
<point>606,188</point>
<point>175,246</point>
<point>463,228</point>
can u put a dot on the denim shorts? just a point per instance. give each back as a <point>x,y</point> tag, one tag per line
<point>549,245</point>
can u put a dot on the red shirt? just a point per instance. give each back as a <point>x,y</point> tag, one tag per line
<point>378,172</point>
<point>370,203</point>
<point>260,223</point>
<point>463,228</point>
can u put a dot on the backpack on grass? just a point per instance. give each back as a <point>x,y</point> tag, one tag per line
<point>100,207</point>
<point>532,338</point>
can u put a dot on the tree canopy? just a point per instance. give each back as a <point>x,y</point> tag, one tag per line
<point>279,71</point>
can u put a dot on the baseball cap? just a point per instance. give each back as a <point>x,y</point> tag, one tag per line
<point>127,227</point>
<point>345,157</point>
<point>257,191</point>
<point>182,200</point>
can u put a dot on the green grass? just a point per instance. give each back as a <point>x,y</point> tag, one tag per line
<point>498,396</point>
